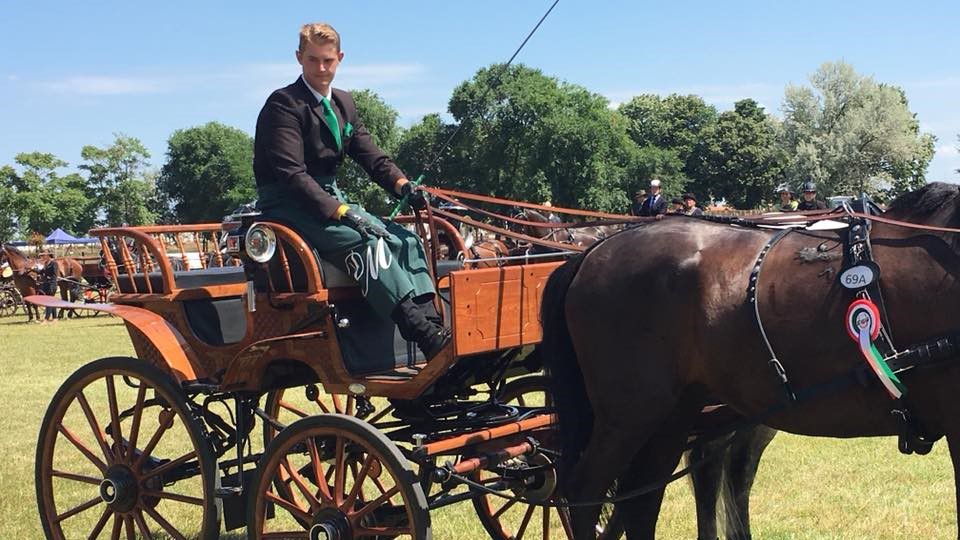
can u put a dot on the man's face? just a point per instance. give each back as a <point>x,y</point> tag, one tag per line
<point>689,203</point>
<point>319,64</point>
<point>809,195</point>
<point>654,190</point>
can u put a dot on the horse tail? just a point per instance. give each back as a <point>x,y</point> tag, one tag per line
<point>574,414</point>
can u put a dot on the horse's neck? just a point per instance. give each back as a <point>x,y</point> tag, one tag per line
<point>17,260</point>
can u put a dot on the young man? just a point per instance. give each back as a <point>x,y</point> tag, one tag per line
<point>303,133</point>
<point>655,205</point>
<point>810,201</point>
<point>690,205</point>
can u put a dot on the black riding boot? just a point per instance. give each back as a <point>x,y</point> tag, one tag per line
<point>414,326</point>
<point>429,308</point>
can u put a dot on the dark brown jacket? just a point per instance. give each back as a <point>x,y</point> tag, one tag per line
<point>293,144</point>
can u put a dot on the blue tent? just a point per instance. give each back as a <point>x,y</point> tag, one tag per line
<point>60,237</point>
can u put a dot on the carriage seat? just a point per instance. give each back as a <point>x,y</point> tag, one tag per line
<point>186,279</point>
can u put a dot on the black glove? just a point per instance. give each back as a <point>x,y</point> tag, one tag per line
<point>363,226</point>
<point>415,195</point>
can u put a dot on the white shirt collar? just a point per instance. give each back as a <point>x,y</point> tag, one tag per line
<point>316,93</point>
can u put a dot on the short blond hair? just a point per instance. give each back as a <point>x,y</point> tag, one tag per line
<point>318,34</point>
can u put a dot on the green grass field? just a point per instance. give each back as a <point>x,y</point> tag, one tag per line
<point>807,488</point>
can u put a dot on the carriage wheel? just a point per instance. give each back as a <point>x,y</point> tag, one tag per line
<point>120,450</point>
<point>9,303</point>
<point>345,480</point>
<point>507,520</point>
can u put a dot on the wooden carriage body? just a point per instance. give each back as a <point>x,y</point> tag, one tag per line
<point>288,322</point>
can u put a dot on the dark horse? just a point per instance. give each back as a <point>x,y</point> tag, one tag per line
<point>628,394</point>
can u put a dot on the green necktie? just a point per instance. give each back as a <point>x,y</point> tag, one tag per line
<point>331,119</point>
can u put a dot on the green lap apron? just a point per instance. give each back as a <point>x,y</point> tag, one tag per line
<point>387,269</point>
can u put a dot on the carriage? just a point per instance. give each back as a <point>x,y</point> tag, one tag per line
<point>267,395</point>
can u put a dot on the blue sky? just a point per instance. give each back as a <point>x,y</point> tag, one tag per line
<point>75,73</point>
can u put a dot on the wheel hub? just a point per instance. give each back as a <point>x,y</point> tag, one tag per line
<point>540,485</point>
<point>330,524</point>
<point>119,488</point>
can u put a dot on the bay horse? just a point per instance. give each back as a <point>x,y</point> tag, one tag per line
<point>583,237</point>
<point>69,275</point>
<point>25,277</point>
<point>627,394</point>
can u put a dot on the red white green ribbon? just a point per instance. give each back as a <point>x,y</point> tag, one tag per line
<point>863,325</point>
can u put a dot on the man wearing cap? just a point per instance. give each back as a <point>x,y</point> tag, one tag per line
<point>810,201</point>
<point>303,133</point>
<point>655,204</point>
<point>678,206</point>
<point>690,205</point>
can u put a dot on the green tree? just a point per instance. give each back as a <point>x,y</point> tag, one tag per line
<point>209,172</point>
<point>380,120</point>
<point>675,123</point>
<point>738,157</point>
<point>40,198</point>
<point>117,183</point>
<point>852,134</point>
<point>8,205</point>
<point>527,136</point>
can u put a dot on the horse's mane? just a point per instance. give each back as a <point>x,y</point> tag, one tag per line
<point>925,201</point>
<point>14,251</point>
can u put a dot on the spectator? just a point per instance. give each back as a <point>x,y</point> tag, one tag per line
<point>810,201</point>
<point>690,205</point>
<point>787,202</point>
<point>678,206</point>
<point>637,203</point>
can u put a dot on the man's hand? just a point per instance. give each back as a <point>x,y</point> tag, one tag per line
<point>363,226</point>
<point>415,195</point>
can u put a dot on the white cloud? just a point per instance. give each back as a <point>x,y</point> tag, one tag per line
<point>13,77</point>
<point>96,85</point>
<point>947,151</point>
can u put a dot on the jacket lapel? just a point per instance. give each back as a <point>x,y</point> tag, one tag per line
<point>315,106</point>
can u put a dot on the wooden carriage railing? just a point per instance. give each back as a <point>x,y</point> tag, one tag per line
<point>142,252</point>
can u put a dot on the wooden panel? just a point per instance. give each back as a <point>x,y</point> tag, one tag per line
<point>496,308</point>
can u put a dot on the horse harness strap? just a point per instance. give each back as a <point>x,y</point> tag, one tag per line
<point>752,298</point>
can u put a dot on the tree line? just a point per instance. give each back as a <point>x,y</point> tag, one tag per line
<point>517,133</point>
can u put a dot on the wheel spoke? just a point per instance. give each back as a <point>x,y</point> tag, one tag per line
<point>101,523</point>
<point>546,523</point>
<point>82,448</point>
<point>285,535</point>
<point>166,422</point>
<point>380,415</point>
<point>76,510</point>
<point>322,479</point>
<point>170,465</point>
<point>358,479</point>
<point>565,521</point>
<point>301,484</point>
<point>509,504</point>
<point>337,405</point>
<point>76,477</point>
<point>174,497</point>
<point>350,400</point>
<point>117,524</point>
<point>137,417</point>
<point>378,502</point>
<point>321,404</point>
<point>142,525</point>
<point>292,408</point>
<point>115,428</point>
<point>128,525</point>
<point>290,506</point>
<point>340,473</point>
<point>171,530</point>
<point>524,522</point>
<point>94,426</point>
